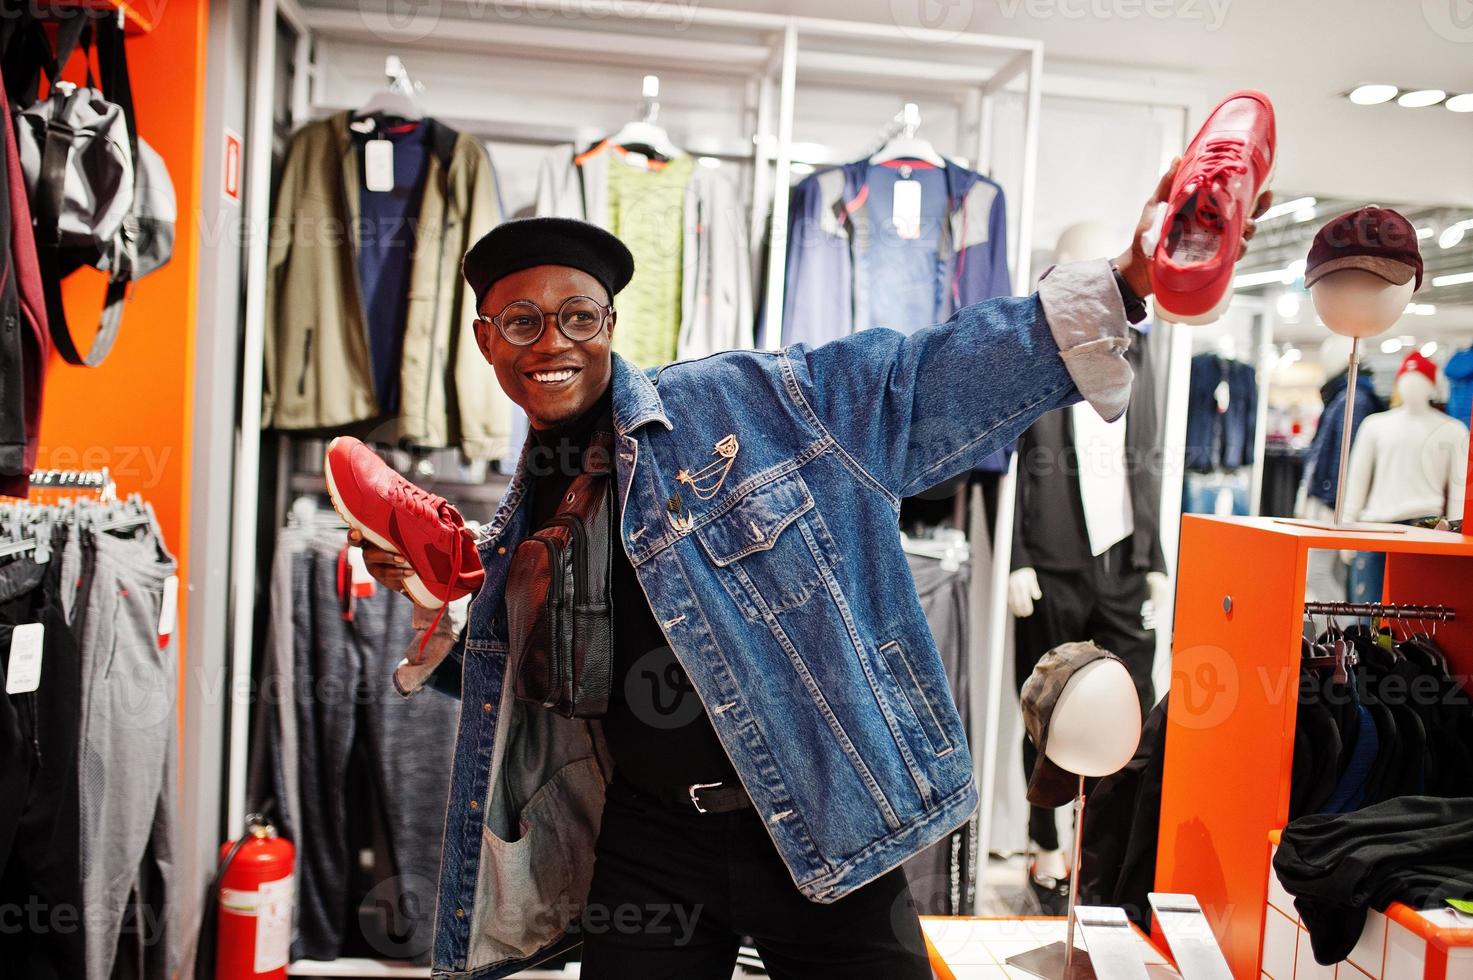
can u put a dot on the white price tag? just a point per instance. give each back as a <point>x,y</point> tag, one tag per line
<point>24,673</point>
<point>905,213</point>
<point>169,607</point>
<point>378,165</point>
<point>1221,395</point>
<point>362,581</point>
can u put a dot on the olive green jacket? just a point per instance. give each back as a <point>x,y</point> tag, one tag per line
<point>318,371</point>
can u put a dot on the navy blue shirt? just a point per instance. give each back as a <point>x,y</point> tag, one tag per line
<point>388,222</point>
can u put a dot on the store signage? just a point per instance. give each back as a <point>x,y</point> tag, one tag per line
<point>230,169</point>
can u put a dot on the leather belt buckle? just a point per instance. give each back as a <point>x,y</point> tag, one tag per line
<point>695,801</point>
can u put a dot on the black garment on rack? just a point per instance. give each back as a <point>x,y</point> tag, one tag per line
<point>40,817</point>
<point>1413,849</point>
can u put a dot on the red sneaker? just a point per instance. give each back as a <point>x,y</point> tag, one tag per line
<point>1224,170</point>
<point>408,520</point>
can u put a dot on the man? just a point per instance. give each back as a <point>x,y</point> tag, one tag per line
<point>779,737</point>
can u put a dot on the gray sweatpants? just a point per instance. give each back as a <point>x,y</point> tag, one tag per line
<point>128,763</point>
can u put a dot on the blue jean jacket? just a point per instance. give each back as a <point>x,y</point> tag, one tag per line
<point>780,583</point>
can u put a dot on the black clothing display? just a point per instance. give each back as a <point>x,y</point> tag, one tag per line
<point>1100,604</point>
<point>1412,849</point>
<point>1049,531</point>
<point>657,729</point>
<point>1283,472</point>
<point>673,890</point>
<point>1400,725</point>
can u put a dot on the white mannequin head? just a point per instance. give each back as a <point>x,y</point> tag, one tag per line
<point>1357,303</point>
<point>1086,240</point>
<point>1415,391</point>
<point>1096,723</point>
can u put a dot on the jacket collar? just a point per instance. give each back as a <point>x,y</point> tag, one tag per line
<point>441,137</point>
<point>636,401</point>
<point>959,181</point>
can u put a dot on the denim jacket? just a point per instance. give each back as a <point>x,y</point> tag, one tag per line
<point>778,577</point>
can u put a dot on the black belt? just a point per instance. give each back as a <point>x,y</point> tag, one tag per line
<point>702,797</point>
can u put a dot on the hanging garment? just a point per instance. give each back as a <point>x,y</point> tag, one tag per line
<point>128,760</point>
<point>1459,371</point>
<point>386,242</point>
<point>1050,531</point>
<point>1222,413</point>
<point>1413,849</point>
<point>329,665</point>
<point>319,368</point>
<point>25,343</point>
<point>39,809</point>
<point>943,877</point>
<point>705,264</point>
<point>851,266</point>
<point>1322,468</point>
<point>1283,472</point>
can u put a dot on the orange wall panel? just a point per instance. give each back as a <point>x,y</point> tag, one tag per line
<point>133,413</point>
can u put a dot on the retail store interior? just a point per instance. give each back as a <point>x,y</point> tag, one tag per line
<point>785,172</point>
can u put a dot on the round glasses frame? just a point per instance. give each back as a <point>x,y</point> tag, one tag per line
<point>605,312</point>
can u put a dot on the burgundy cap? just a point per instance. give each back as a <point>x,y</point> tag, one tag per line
<point>1375,240</point>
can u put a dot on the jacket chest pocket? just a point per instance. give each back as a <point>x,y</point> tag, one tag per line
<point>771,549</point>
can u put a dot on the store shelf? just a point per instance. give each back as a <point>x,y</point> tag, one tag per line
<point>366,968</point>
<point>1389,538</point>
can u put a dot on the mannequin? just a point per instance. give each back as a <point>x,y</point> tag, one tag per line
<point>1086,550</point>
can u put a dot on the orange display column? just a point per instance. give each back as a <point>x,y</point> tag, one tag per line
<point>132,414</point>
<point>1234,697</point>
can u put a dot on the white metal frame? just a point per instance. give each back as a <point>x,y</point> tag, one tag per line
<point>774,53</point>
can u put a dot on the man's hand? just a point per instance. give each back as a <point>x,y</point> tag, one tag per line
<point>387,568</point>
<point>1134,262</point>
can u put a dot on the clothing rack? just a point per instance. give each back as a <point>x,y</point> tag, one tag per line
<point>1381,610</point>
<point>99,480</point>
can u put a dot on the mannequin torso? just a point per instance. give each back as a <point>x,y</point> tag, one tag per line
<point>1408,462</point>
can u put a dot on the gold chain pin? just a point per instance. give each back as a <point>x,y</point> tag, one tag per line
<point>705,483</point>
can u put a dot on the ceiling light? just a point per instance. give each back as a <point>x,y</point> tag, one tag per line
<point>1429,348</point>
<point>711,162</point>
<point>1421,98</point>
<point>1460,103</point>
<point>1391,345</point>
<point>1419,309</point>
<point>1373,94</point>
<point>1258,278</point>
<point>1425,233</point>
<point>1288,306</point>
<point>1295,271</point>
<point>1304,214</point>
<point>1451,236</point>
<point>1456,279</point>
<point>1288,207</point>
<point>1291,355</point>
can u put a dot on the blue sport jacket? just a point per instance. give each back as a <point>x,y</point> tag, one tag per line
<point>781,585</point>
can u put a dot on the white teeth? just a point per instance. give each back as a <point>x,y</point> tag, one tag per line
<point>551,377</point>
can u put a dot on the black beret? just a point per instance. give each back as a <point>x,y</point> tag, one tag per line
<point>526,242</point>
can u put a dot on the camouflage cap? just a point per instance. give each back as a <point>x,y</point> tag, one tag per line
<point>1049,785</point>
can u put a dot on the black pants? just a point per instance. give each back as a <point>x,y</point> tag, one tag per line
<point>674,891</point>
<point>1100,603</point>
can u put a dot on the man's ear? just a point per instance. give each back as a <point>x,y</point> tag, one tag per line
<point>613,320</point>
<point>483,330</point>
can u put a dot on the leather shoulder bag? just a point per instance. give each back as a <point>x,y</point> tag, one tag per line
<point>558,596</point>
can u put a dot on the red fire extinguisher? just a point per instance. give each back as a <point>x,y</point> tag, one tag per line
<point>255,896</point>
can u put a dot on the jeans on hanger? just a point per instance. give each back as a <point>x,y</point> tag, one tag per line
<point>129,785</point>
<point>674,890</point>
<point>344,693</point>
<point>41,933</point>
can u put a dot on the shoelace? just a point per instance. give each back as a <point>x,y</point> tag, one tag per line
<point>1221,158</point>
<point>421,503</point>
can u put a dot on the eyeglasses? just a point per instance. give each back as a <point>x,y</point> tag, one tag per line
<point>580,318</point>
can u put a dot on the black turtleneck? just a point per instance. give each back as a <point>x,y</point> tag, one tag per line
<point>657,730</point>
